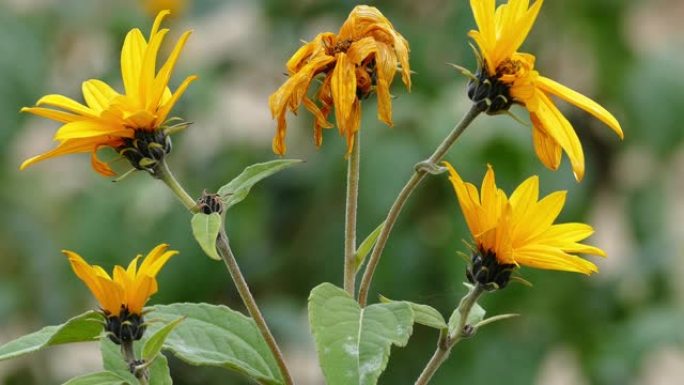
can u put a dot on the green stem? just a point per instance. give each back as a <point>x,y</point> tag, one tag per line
<point>163,173</point>
<point>226,253</point>
<point>350,217</point>
<point>417,177</point>
<point>139,371</point>
<point>446,341</point>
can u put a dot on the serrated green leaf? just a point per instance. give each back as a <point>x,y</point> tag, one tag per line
<point>367,245</point>
<point>217,336</point>
<point>354,344</point>
<point>423,314</point>
<point>476,315</point>
<point>237,189</point>
<point>85,327</point>
<point>205,229</point>
<point>154,343</point>
<point>99,378</point>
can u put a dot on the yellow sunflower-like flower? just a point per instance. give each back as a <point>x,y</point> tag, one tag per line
<point>507,76</point>
<point>520,230</point>
<point>121,121</point>
<point>123,294</point>
<point>360,59</point>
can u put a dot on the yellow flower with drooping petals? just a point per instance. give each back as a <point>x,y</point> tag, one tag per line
<point>361,58</point>
<point>112,119</point>
<point>126,290</point>
<point>501,32</point>
<point>520,230</point>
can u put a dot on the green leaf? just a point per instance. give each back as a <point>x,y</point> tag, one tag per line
<point>354,344</point>
<point>113,361</point>
<point>423,314</point>
<point>159,371</point>
<point>154,343</point>
<point>99,378</point>
<point>476,315</point>
<point>85,327</point>
<point>217,336</point>
<point>237,189</point>
<point>367,245</point>
<point>205,229</point>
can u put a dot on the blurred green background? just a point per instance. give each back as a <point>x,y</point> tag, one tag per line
<point>622,326</point>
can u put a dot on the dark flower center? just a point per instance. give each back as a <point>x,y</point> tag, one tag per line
<point>210,203</point>
<point>489,93</point>
<point>146,149</point>
<point>486,270</point>
<point>124,328</point>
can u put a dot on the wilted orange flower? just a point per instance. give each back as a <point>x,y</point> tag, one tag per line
<point>509,76</point>
<point>112,119</point>
<point>520,230</point>
<point>360,59</point>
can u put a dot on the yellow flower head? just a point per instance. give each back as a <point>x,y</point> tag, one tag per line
<point>501,32</point>
<point>519,231</point>
<point>112,119</point>
<point>361,58</point>
<point>127,290</point>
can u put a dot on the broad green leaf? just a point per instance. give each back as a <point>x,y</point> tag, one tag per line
<point>205,229</point>
<point>154,343</point>
<point>237,189</point>
<point>113,361</point>
<point>423,314</point>
<point>85,327</point>
<point>354,344</point>
<point>367,245</point>
<point>476,315</point>
<point>159,371</point>
<point>99,378</point>
<point>217,336</point>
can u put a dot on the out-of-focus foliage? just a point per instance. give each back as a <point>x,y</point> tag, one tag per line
<point>622,326</point>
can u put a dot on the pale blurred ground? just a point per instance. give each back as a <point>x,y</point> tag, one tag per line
<point>623,326</point>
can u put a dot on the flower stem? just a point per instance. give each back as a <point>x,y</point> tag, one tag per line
<point>163,172</point>
<point>350,217</point>
<point>139,371</point>
<point>226,253</point>
<point>417,177</point>
<point>446,341</point>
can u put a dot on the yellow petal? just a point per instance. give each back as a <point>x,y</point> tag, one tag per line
<point>162,79</point>
<point>343,87</point>
<point>98,94</point>
<point>164,110</point>
<point>60,116</point>
<point>68,104</point>
<point>547,150</point>
<point>581,101</point>
<point>148,69</point>
<point>551,258</point>
<point>157,22</point>
<point>87,129</point>
<point>132,55</point>
<point>66,147</point>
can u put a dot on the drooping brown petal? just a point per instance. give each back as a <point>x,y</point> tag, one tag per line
<point>343,87</point>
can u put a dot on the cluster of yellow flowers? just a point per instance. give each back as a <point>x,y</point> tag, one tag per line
<point>360,60</point>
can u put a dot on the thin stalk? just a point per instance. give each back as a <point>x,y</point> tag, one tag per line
<point>417,177</point>
<point>139,371</point>
<point>446,341</point>
<point>226,253</point>
<point>350,217</point>
<point>163,173</point>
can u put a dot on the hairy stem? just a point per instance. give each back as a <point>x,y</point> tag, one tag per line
<point>163,172</point>
<point>447,341</point>
<point>417,177</point>
<point>350,218</point>
<point>226,253</point>
<point>137,368</point>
